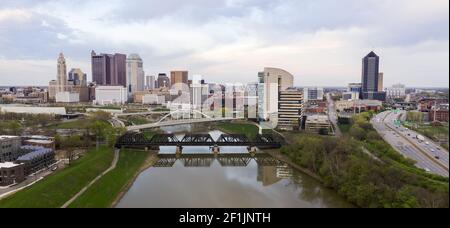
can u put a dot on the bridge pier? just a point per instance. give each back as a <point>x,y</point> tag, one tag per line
<point>252,149</point>
<point>215,149</point>
<point>179,150</point>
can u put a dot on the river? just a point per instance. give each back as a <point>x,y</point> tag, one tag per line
<point>233,178</point>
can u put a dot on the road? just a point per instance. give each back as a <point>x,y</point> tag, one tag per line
<point>115,122</point>
<point>332,115</point>
<point>432,158</point>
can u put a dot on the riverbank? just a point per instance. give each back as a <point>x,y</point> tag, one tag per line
<point>56,189</point>
<point>389,182</point>
<point>108,190</point>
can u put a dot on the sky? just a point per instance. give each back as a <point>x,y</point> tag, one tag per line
<point>321,42</point>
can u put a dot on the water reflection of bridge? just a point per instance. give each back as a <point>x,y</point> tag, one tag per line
<point>225,160</point>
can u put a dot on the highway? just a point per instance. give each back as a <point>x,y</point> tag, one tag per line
<point>429,156</point>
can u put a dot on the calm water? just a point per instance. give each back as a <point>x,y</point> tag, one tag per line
<point>231,179</point>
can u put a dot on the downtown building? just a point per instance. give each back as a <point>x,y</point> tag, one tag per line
<point>163,81</point>
<point>370,79</point>
<point>108,69</point>
<point>290,109</point>
<point>313,94</point>
<point>179,80</point>
<point>135,74</point>
<point>63,86</point>
<point>150,82</point>
<point>272,81</point>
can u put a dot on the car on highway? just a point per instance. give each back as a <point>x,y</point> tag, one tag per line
<point>437,157</point>
<point>427,143</point>
<point>427,170</point>
<point>432,150</point>
<point>438,148</point>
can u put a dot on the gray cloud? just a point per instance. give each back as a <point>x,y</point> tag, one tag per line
<point>234,37</point>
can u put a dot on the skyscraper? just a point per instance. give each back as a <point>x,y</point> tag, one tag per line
<point>380,81</point>
<point>149,82</point>
<point>109,69</point>
<point>271,82</point>
<point>135,74</point>
<point>77,77</point>
<point>370,78</point>
<point>179,79</point>
<point>61,77</point>
<point>163,81</point>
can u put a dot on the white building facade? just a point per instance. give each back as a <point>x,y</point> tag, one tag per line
<point>105,95</point>
<point>313,94</point>
<point>396,91</point>
<point>135,74</point>
<point>271,82</point>
<point>67,97</point>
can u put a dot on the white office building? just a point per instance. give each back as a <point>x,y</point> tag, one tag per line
<point>135,74</point>
<point>271,82</point>
<point>313,94</point>
<point>396,91</point>
<point>150,82</point>
<point>67,97</point>
<point>105,95</point>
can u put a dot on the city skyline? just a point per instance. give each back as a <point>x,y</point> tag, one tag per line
<point>231,41</point>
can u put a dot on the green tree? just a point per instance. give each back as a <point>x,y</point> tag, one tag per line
<point>357,132</point>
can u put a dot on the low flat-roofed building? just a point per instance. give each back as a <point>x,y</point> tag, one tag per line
<point>11,173</point>
<point>107,95</point>
<point>358,105</point>
<point>9,148</point>
<point>36,159</point>
<point>33,110</point>
<point>67,97</point>
<point>315,123</point>
<point>153,99</point>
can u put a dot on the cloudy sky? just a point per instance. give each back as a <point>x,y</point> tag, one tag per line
<point>321,42</point>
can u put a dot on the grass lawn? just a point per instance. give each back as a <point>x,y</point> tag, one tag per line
<point>56,189</point>
<point>105,191</point>
<point>239,128</point>
<point>76,124</point>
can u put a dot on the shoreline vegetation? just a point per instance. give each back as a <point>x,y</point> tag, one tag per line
<point>367,171</point>
<point>381,179</point>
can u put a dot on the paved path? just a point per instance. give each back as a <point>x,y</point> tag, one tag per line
<point>113,166</point>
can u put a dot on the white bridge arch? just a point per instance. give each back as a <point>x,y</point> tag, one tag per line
<point>181,111</point>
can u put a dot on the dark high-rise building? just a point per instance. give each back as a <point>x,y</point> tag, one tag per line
<point>162,81</point>
<point>109,69</point>
<point>370,78</point>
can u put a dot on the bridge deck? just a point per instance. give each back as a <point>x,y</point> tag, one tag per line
<point>139,140</point>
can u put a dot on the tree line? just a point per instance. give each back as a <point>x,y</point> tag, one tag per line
<point>391,181</point>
